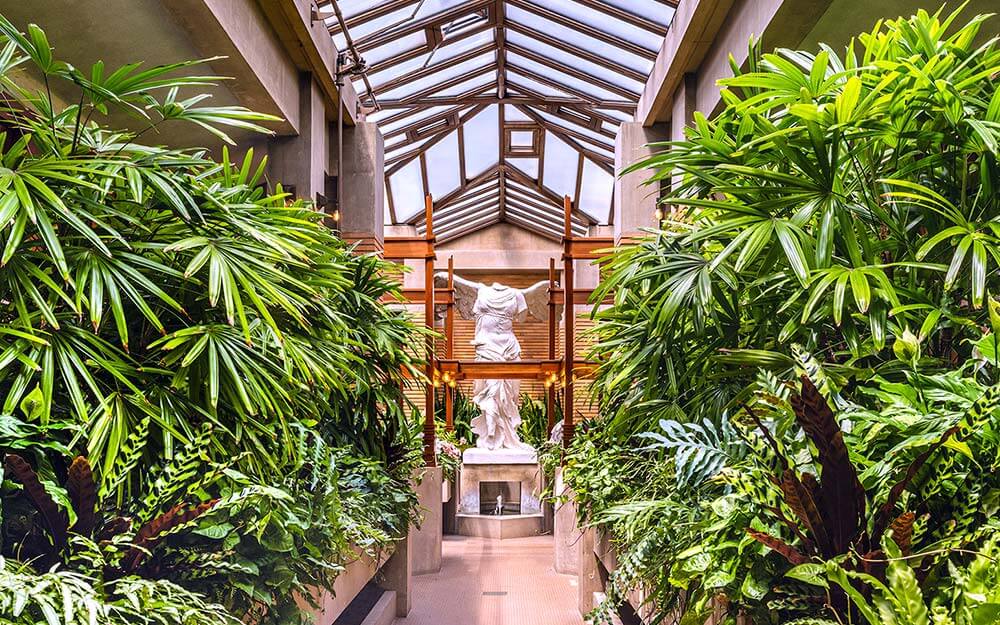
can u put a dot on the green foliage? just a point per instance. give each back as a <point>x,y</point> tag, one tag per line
<point>835,224</point>
<point>201,393</point>
<point>534,427</point>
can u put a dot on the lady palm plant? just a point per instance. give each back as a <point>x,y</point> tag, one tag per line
<point>155,290</point>
<point>220,357</point>
<point>840,201</point>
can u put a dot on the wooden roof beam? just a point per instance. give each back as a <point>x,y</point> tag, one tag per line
<point>441,18</point>
<point>581,103</point>
<point>434,68</point>
<point>398,162</point>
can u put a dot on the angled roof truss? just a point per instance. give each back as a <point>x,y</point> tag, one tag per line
<point>499,108</point>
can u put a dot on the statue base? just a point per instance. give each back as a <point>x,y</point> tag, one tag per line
<point>478,455</point>
<point>499,494</point>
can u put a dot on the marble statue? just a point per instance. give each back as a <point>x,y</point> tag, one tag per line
<point>496,308</point>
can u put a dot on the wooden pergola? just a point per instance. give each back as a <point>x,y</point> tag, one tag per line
<point>541,87</point>
<point>559,372</point>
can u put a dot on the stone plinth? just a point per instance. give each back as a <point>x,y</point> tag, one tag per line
<point>518,466</point>
<point>506,465</point>
<point>426,542</point>
<point>500,527</point>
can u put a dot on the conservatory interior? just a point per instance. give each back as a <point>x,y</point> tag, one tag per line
<point>507,312</point>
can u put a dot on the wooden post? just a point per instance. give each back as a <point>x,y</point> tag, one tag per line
<point>550,392</point>
<point>569,351</point>
<point>449,346</point>
<point>429,433</point>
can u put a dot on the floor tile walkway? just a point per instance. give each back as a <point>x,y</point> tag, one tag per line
<point>495,582</point>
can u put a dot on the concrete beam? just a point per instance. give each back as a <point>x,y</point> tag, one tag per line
<point>635,201</point>
<point>309,44</point>
<point>691,35</point>
<point>703,35</point>
<point>264,77</point>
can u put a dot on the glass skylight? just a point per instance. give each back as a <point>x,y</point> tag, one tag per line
<point>482,102</point>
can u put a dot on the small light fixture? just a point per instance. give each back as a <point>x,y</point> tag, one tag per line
<point>659,213</point>
<point>336,215</point>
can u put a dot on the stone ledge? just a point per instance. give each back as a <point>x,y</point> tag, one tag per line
<point>500,527</point>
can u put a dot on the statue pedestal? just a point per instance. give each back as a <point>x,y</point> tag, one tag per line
<point>499,494</point>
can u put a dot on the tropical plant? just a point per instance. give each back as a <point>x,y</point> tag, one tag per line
<point>200,386</point>
<point>839,201</point>
<point>534,427</point>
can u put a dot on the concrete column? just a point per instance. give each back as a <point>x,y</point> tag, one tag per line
<point>363,185</point>
<point>635,202</point>
<point>302,160</point>
<point>426,541</point>
<point>397,575</point>
<point>684,107</point>
<point>567,533</point>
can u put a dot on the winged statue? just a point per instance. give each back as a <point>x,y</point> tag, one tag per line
<point>495,308</point>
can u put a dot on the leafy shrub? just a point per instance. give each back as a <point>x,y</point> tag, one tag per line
<point>199,386</point>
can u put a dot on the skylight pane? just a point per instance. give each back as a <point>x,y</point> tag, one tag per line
<point>379,24</point>
<point>394,47</point>
<point>527,165</point>
<point>443,174</point>
<point>563,79</point>
<point>514,114</point>
<point>560,166</point>
<point>596,190</point>
<point>622,115</point>
<point>407,191</point>
<point>482,142</point>
<point>432,7</point>
<point>604,22</point>
<point>445,73</point>
<point>649,9</point>
<point>350,9</point>
<point>422,115</point>
<point>570,60</point>
<point>530,83</point>
<point>579,40</point>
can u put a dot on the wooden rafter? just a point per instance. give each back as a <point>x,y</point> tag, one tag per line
<point>580,103</point>
<point>385,36</point>
<point>570,136</point>
<point>380,10</point>
<point>434,68</point>
<point>398,162</point>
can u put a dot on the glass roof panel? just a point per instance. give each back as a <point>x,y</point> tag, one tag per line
<point>482,143</point>
<point>650,9</point>
<point>430,7</point>
<point>537,87</point>
<point>559,173</point>
<point>596,190</point>
<point>604,22</point>
<point>410,119</point>
<point>514,114</point>
<point>562,79</point>
<point>575,62</point>
<point>407,191</point>
<point>447,71</point>
<point>527,165</point>
<point>443,174</point>
<point>578,39</point>
<point>397,46</point>
<point>354,7</point>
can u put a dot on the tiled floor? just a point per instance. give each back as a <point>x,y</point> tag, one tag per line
<point>495,582</point>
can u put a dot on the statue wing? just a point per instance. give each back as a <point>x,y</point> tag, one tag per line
<point>537,298</point>
<point>466,292</point>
